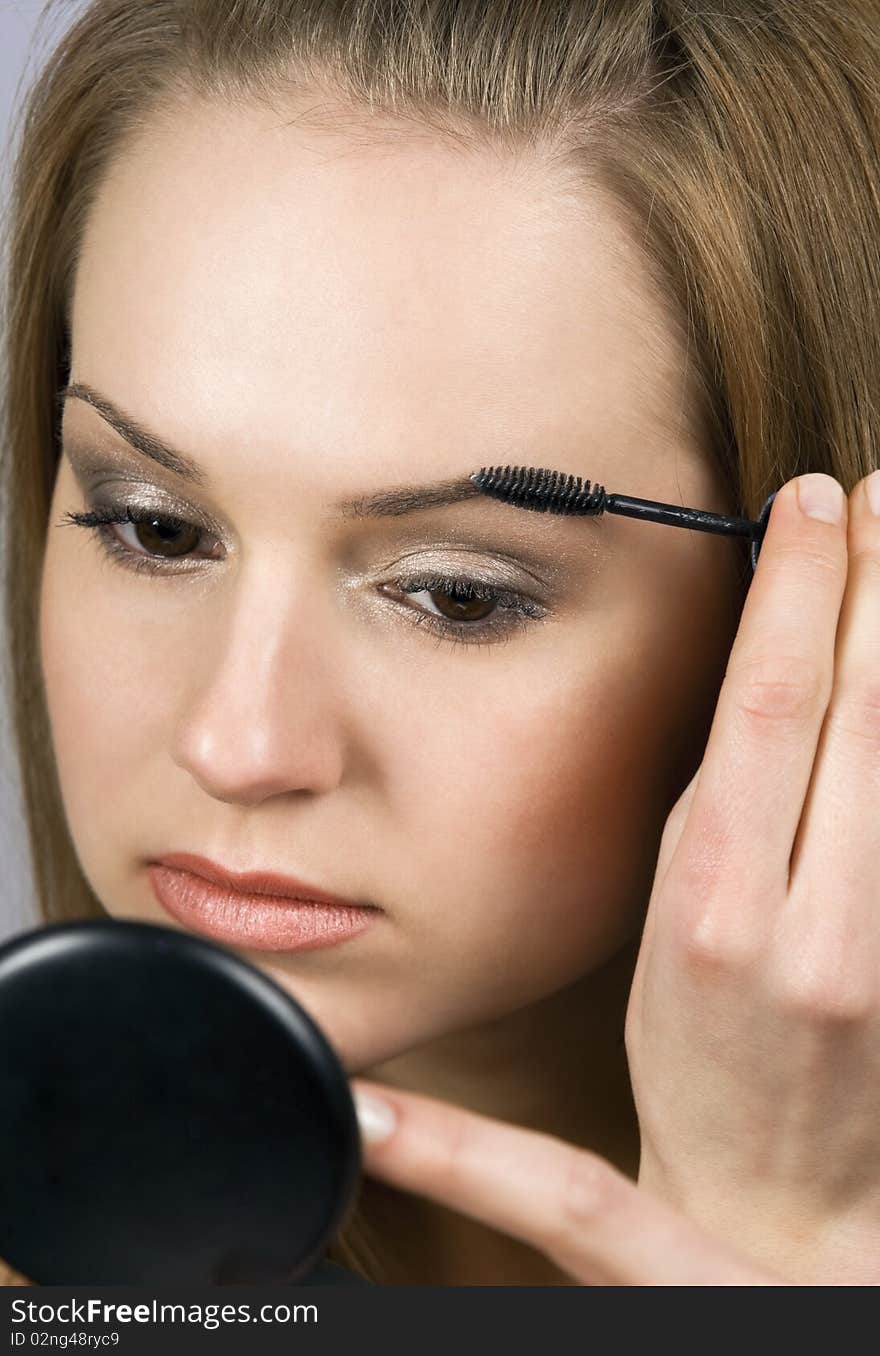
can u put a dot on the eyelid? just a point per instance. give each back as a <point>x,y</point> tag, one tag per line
<point>123,488</point>
<point>517,609</point>
<point>101,494</point>
<point>424,569</point>
<point>427,581</point>
<point>506,571</point>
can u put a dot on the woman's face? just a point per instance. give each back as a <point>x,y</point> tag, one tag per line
<point>312,319</point>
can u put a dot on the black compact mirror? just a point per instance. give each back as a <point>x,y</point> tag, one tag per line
<point>169,1115</point>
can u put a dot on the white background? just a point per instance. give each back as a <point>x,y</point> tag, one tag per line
<point>23,50</point>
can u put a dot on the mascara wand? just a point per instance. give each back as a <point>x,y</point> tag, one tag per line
<point>544,491</point>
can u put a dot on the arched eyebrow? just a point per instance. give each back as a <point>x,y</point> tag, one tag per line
<point>393,502</point>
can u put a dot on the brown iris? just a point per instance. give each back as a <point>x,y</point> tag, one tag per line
<point>158,534</point>
<point>462,605</point>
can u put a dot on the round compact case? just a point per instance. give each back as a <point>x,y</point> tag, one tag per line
<point>168,1115</point>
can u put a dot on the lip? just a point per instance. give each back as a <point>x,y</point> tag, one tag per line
<point>255,882</point>
<point>255,917</point>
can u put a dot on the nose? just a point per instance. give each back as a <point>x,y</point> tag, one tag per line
<point>267,701</point>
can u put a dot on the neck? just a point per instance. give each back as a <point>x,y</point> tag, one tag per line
<point>559,1067</point>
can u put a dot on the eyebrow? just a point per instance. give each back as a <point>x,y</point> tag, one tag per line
<point>393,502</point>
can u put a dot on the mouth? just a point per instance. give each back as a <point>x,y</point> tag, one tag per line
<point>262,910</point>
<point>256,882</point>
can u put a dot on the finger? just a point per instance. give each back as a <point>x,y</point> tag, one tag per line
<point>839,835</point>
<point>674,826</point>
<point>567,1202</point>
<point>9,1276</point>
<point>672,831</point>
<point>759,757</point>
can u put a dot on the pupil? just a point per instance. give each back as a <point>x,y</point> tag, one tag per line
<point>163,535</point>
<point>458,606</point>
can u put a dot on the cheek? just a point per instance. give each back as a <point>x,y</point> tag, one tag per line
<point>530,821</point>
<point>101,715</point>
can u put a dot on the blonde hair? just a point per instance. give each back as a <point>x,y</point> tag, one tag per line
<point>740,141</point>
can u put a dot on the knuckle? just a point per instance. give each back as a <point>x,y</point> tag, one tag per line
<point>587,1192</point>
<point>711,942</point>
<point>814,996</point>
<point>780,688</point>
<point>814,560</point>
<point>456,1149</point>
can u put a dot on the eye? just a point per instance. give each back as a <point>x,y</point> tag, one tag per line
<point>468,610</point>
<point>458,600</point>
<point>168,538</point>
<point>162,537</point>
<point>460,609</point>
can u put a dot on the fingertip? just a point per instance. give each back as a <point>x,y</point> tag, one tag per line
<point>377,1119</point>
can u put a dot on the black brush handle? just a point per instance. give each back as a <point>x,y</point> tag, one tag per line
<point>697,520</point>
<point>700,520</point>
<point>761,528</point>
<point>546,491</point>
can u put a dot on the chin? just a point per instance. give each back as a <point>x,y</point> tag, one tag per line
<point>344,1017</point>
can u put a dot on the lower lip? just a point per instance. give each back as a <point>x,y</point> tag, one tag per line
<point>261,922</point>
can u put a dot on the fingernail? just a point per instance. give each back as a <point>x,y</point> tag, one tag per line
<point>872,485</point>
<point>375,1117</point>
<point>820,496</point>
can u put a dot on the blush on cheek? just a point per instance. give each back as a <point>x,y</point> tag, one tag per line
<point>101,734</point>
<point>577,807</point>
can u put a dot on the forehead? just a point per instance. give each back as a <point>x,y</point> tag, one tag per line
<point>397,293</point>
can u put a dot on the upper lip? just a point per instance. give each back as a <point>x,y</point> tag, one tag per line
<point>254,882</point>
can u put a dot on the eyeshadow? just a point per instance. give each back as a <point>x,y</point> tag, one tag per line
<point>552,548</point>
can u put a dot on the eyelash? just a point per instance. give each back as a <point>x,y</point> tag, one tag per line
<point>522,610</point>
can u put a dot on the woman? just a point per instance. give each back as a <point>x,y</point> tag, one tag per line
<point>277,273</point>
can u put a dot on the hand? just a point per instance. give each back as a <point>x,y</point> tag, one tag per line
<point>9,1276</point>
<point>570,1204</point>
<point>753,1026</point>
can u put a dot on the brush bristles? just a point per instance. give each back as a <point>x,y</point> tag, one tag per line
<point>534,487</point>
